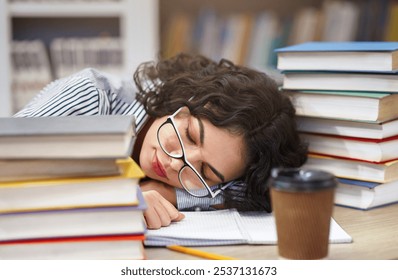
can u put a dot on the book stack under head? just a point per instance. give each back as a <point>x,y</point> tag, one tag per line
<point>68,189</point>
<point>346,100</point>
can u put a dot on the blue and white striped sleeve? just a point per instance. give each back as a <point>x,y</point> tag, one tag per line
<point>185,201</point>
<point>88,92</point>
<point>66,97</point>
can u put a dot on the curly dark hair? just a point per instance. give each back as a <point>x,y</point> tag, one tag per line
<point>243,101</point>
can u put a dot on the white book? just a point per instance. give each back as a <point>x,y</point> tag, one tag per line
<point>370,130</point>
<point>365,195</point>
<point>374,150</point>
<point>74,250</point>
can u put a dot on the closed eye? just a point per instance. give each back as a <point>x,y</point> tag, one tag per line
<point>189,136</point>
<point>202,173</point>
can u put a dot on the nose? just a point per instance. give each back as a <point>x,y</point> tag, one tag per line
<point>176,164</point>
<point>193,156</point>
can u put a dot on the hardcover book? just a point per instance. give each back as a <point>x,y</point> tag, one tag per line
<point>38,169</point>
<point>382,172</point>
<point>78,192</point>
<point>118,247</point>
<point>358,106</point>
<point>365,195</point>
<point>100,136</point>
<point>343,81</point>
<point>340,56</point>
<point>375,150</point>
<point>349,128</point>
<point>80,222</point>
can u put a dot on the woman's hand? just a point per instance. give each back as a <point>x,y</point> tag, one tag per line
<point>160,211</point>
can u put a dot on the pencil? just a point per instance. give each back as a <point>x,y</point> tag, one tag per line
<point>198,253</point>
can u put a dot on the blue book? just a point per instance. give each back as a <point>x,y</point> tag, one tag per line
<point>340,56</point>
<point>365,195</point>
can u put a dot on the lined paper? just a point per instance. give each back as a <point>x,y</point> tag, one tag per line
<point>226,227</point>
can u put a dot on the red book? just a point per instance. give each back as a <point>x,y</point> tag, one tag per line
<point>374,150</point>
<point>381,172</point>
<point>89,247</point>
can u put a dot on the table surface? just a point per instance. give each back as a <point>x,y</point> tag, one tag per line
<point>374,233</point>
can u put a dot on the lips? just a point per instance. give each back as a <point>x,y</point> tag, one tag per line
<point>158,167</point>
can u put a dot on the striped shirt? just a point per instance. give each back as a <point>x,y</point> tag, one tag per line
<point>90,92</point>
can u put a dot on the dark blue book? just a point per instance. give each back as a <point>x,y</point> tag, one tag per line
<point>340,56</point>
<point>365,195</point>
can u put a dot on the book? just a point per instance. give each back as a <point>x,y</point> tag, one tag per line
<point>31,70</point>
<point>226,227</point>
<point>343,81</point>
<point>80,222</point>
<point>371,130</point>
<point>340,20</point>
<point>71,54</point>
<point>78,192</point>
<point>264,31</point>
<point>177,35</point>
<point>235,37</point>
<point>375,150</point>
<point>305,24</point>
<point>120,247</point>
<point>340,56</point>
<point>359,106</point>
<point>382,172</point>
<point>36,169</point>
<point>100,136</point>
<point>391,22</point>
<point>365,195</point>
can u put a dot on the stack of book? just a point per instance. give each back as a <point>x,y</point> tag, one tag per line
<point>68,189</point>
<point>346,99</point>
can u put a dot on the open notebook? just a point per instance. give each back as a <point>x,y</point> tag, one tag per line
<point>226,227</point>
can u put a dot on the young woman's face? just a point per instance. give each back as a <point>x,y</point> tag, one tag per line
<point>214,152</point>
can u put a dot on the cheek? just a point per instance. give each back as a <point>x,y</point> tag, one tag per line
<point>146,153</point>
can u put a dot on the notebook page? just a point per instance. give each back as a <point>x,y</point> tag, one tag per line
<point>260,228</point>
<point>199,229</point>
<point>338,234</point>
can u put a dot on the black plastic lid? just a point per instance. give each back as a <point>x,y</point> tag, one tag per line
<point>294,179</point>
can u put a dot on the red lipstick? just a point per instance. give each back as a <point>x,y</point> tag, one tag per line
<point>158,167</point>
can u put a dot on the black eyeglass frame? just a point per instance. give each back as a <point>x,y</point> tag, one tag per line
<point>186,163</point>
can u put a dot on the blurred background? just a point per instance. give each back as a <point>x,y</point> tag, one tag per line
<point>42,40</point>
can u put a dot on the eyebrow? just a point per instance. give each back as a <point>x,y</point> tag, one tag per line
<point>202,137</point>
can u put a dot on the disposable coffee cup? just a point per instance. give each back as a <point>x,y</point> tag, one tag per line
<point>302,202</point>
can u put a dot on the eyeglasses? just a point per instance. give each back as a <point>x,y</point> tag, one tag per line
<point>171,143</point>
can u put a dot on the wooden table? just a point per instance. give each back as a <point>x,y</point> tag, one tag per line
<point>374,233</point>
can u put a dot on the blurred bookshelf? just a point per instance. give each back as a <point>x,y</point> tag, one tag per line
<point>247,32</point>
<point>133,31</point>
<point>42,40</point>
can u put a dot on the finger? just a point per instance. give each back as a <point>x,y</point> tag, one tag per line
<point>152,219</point>
<point>179,218</point>
<point>170,209</point>
<point>163,214</point>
